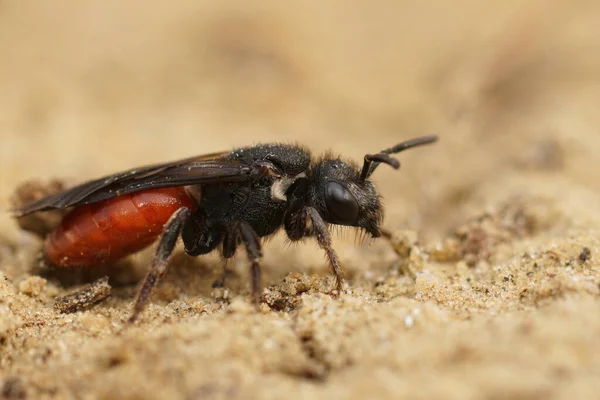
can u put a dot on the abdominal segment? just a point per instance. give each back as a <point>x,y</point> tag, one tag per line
<point>104,232</point>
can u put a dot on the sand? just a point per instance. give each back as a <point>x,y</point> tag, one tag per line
<point>490,288</point>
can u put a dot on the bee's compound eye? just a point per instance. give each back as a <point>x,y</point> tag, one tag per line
<point>342,207</point>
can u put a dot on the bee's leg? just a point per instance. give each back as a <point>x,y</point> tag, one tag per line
<point>241,232</point>
<point>386,234</point>
<point>220,282</point>
<point>324,240</point>
<point>167,242</point>
<point>402,250</point>
<point>200,237</point>
<point>296,226</point>
<point>231,239</point>
<point>254,250</point>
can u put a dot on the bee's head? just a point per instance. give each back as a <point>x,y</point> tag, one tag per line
<point>342,198</point>
<point>343,193</point>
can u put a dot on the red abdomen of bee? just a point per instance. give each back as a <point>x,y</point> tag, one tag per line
<point>106,231</point>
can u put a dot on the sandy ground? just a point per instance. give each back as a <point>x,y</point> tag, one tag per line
<point>491,287</point>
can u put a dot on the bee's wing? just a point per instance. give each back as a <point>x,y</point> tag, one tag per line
<point>190,171</point>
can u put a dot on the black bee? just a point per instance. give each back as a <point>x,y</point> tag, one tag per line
<point>216,200</point>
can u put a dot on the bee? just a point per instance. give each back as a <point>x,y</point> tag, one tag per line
<point>215,201</point>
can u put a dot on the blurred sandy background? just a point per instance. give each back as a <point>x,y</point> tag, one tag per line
<point>511,87</point>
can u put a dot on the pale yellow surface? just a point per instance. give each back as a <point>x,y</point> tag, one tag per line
<point>502,305</point>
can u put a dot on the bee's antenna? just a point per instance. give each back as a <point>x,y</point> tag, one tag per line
<point>372,161</point>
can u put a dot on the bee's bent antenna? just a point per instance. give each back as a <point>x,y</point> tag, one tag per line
<point>372,161</point>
